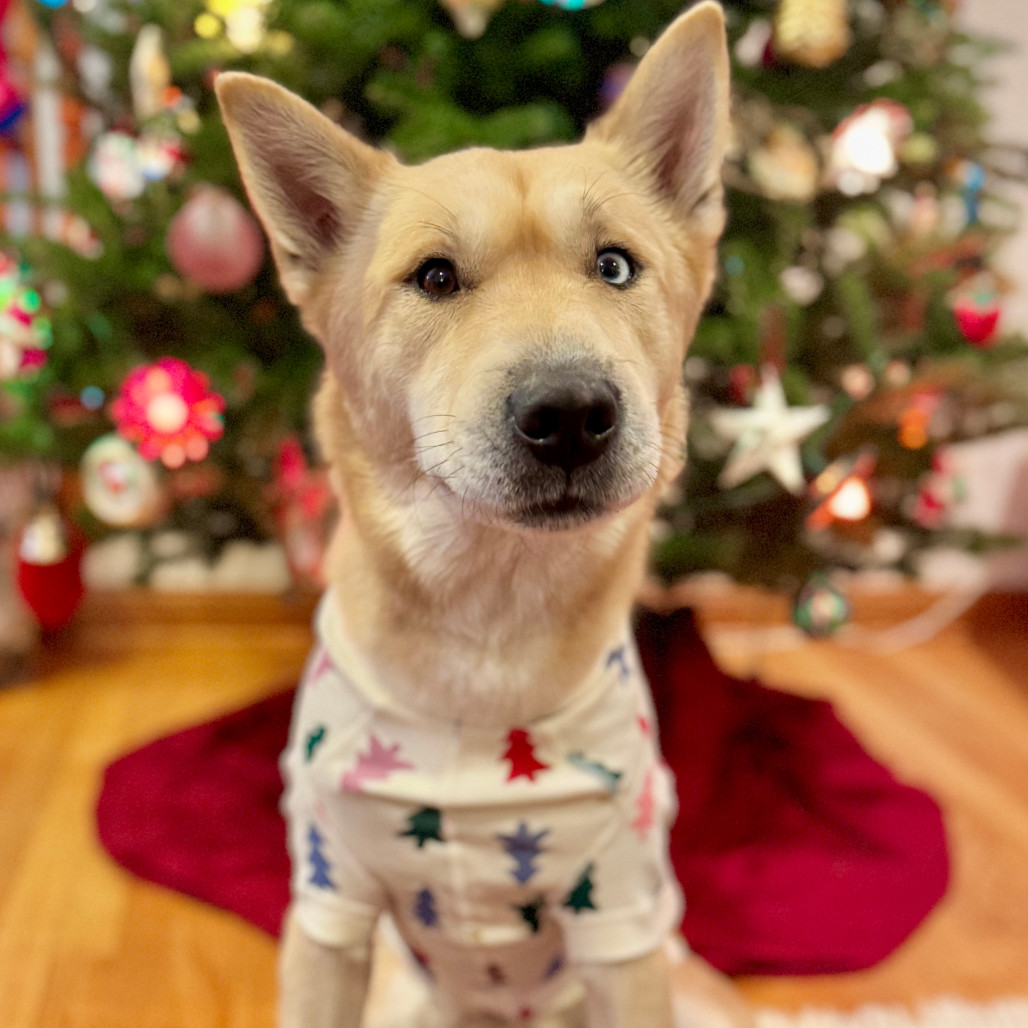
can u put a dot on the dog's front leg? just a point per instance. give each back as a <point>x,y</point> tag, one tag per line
<point>321,986</point>
<point>632,994</point>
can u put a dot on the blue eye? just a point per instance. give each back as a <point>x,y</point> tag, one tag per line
<point>615,267</point>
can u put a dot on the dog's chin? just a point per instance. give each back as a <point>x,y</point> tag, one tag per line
<point>545,514</point>
<point>560,515</point>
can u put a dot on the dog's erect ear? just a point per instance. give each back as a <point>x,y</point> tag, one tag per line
<point>308,180</point>
<point>673,117</point>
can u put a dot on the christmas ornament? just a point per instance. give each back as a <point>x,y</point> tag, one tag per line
<point>572,5</point>
<point>857,381</point>
<point>12,106</point>
<point>915,419</point>
<point>977,313</point>
<point>802,285</point>
<point>752,45</point>
<point>812,33</point>
<point>938,492</point>
<point>118,486</point>
<point>471,16</point>
<point>149,73</point>
<point>114,166</point>
<point>970,178</point>
<point>820,609</point>
<point>214,241</point>
<point>169,411</point>
<point>841,492</point>
<point>159,155</point>
<point>785,166</point>
<point>50,569</point>
<point>25,330</point>
<point>243,22</point>
<point>301,500</point>
<point>865,145</point>
<point>767,436</point>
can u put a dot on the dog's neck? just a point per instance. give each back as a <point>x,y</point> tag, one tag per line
<point>485,623</point>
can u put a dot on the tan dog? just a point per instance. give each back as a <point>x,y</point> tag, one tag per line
<point>502,405</point>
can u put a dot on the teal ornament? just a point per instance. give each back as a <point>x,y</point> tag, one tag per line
<point>820,608</point>
<point>572,5</point>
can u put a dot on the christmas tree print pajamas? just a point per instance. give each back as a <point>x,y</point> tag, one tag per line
<point>503,853</point>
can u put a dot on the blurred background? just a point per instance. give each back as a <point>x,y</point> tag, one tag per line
<point>859,384</point>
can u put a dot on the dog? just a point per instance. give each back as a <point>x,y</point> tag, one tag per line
<point>473,748</point>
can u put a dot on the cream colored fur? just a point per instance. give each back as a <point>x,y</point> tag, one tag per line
<point>445,575</point>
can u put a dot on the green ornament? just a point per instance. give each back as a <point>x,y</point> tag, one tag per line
<point>820,608</point>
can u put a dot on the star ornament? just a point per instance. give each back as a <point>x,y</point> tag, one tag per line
<point>767,435</point>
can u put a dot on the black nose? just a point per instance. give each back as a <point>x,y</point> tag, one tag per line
<point>565,418</point>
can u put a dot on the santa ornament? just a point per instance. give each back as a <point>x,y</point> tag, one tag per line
<point>119,487</point>
<point>49,568</point>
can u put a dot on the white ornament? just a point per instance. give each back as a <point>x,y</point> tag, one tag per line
<point>119,486</point>
<point>767,435</point>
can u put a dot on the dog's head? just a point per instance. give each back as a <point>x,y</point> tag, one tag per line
<point>509,326</point>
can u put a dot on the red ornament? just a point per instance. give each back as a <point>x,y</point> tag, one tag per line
<point>302,503</point>
<point>215,241</point>
<point>521,754</point>
<point>50,569</point>
<point>168,410</point>
<point>977,315</point>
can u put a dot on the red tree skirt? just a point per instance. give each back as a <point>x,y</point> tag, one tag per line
<point>798,853</point>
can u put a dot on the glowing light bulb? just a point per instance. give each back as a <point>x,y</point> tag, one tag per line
<point>851,501</point>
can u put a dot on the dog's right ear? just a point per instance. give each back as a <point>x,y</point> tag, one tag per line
<point>308,180</point>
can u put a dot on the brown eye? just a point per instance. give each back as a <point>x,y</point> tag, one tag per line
<point>437,277</point>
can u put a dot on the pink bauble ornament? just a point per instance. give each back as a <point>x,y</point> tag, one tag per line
<point>215,241</point>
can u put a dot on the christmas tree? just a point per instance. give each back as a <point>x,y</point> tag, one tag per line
<point>852,336</point>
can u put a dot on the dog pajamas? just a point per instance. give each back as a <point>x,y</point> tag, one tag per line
<point>503,853</point>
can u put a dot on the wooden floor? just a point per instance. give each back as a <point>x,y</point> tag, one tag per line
<point>82,945</point>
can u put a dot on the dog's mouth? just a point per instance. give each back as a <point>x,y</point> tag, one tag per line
<point>566,512</point>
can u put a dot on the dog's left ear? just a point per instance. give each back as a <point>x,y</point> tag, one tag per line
<point>673,117</point>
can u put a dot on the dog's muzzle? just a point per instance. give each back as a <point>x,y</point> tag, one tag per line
<point>564,418</point>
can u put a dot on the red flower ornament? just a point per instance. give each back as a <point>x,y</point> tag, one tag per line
<point>169,411</point>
